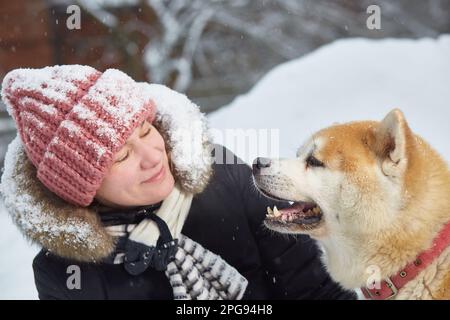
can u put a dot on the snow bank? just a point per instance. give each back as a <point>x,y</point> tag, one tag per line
<point>353,79</point>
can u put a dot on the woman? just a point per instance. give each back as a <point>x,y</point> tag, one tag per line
<point>118,183</point>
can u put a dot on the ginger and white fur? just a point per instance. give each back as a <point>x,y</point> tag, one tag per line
<point>384,194</point>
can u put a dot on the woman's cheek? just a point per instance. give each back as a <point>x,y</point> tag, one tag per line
<point>123,178</point>
<point>129,180</point>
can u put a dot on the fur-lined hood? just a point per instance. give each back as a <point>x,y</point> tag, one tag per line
<point>77,233</point>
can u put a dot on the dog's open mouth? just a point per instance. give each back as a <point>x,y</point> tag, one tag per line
<point>303,215</point>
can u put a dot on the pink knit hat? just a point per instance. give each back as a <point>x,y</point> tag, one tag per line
<point>72,119</point>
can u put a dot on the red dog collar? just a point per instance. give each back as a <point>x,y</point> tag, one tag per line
<point>391,285</point>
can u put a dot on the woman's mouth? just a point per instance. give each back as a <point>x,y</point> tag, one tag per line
<point>157,177</point>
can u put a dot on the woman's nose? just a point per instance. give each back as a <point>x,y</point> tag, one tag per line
<point>150,157</point>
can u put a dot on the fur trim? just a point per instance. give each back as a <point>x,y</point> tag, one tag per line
<point>62,228</point>
<point>77,233</point>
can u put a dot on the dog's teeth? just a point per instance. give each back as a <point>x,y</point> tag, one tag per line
<point>291,202</point>
<point>276,212</point>
<point>269,212</point>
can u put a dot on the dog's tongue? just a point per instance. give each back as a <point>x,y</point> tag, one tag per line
<point>299,212</point>
<point>295,208</point>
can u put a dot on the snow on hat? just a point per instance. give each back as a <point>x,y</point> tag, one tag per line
<point>72,119</point>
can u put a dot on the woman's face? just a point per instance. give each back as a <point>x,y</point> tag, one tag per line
<point>140,174</point>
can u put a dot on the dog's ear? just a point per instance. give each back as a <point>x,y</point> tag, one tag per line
<point>390,143</point>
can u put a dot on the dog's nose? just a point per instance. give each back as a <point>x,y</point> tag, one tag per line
<point>260,163</point>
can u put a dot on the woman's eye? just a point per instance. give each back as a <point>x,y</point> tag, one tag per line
<point>312,161</point>
<point>147,132</point>
<point>123,158</point>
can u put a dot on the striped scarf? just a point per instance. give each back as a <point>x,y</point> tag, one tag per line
<point>152,238</point>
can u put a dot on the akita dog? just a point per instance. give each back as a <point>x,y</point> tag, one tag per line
<point>376,196</point>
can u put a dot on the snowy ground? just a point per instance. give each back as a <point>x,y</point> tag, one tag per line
<point>347,80</point>
<point>16,275</point>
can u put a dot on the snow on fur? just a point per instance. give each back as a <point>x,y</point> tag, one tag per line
<point>27,211</point>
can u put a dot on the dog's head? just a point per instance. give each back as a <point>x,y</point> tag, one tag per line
<point>346,180</point>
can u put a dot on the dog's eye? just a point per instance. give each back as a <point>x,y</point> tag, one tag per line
<point>312,161</point>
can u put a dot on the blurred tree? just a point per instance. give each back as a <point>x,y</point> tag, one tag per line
<point>219,48</point>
